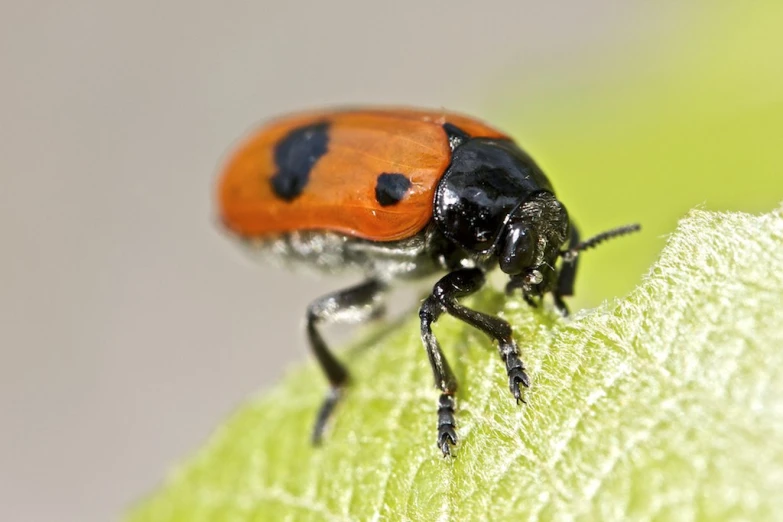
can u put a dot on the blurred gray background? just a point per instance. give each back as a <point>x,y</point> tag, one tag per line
<point>129,326</point>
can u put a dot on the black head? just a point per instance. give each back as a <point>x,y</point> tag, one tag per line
<point>494,201</point>
<point>531,242</point>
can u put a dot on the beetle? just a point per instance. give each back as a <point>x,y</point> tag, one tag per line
<point>403,193</point>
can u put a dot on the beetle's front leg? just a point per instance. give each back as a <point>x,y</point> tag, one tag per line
<point>445,381</point>
<point>565,281</point>
<point>445,293</point>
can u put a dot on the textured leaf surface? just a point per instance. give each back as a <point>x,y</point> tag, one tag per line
<point>667,404</point>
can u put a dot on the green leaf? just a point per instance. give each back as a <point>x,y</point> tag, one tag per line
<point>667,404</point>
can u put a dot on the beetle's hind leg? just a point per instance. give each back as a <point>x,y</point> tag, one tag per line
<point>351,305</point>
<point>460,283</point>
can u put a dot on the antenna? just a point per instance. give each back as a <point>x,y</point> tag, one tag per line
<point>570,254</point>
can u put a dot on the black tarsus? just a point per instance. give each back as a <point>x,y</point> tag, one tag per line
<point>447,432</point>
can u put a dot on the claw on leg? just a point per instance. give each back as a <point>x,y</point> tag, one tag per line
<point>447,434</point>
<point>515,370</point>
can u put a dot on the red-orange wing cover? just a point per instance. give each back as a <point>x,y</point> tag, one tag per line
<point>340,191</point>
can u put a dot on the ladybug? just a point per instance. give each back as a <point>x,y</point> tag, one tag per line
<point>397,194</point>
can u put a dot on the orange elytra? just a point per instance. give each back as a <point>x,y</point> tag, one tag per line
<point>336,186</point>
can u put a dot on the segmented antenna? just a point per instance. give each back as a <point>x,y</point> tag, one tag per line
<point>570,254</point>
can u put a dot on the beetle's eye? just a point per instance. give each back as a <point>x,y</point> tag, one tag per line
<point>517,249</point>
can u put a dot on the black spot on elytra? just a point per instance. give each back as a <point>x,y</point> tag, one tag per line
<point>391,188</point>
<point>295,156</point>
<point>456,135</point>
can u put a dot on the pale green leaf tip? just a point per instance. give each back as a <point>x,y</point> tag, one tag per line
<point>664,405</point>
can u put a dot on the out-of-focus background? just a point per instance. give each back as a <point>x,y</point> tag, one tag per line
<point>130,327</point>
